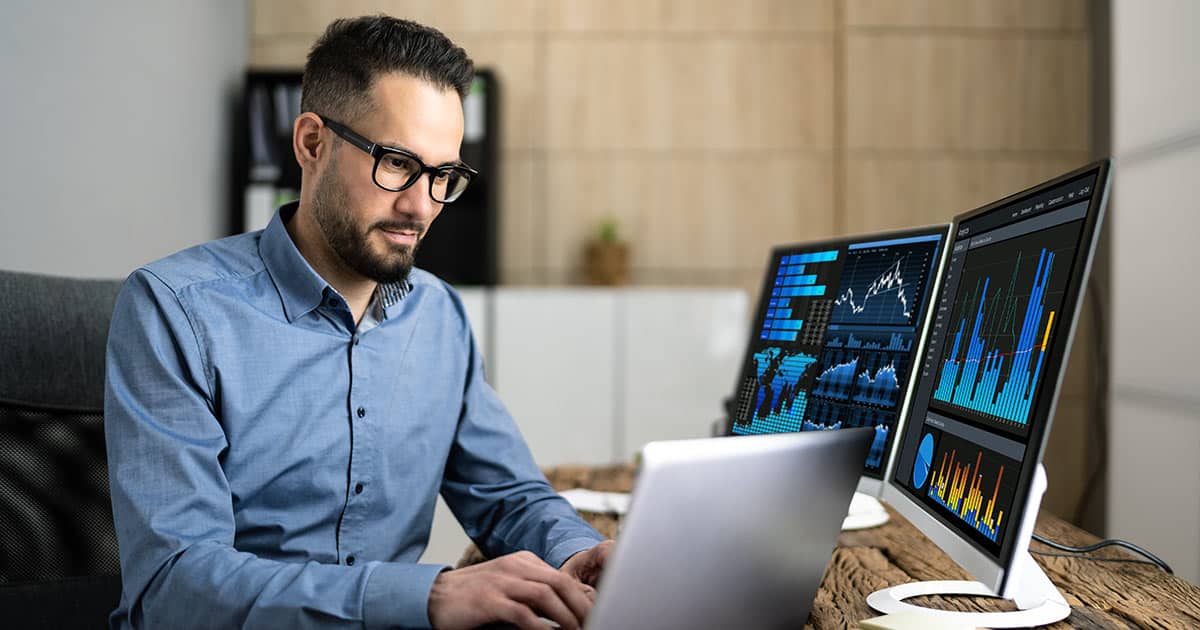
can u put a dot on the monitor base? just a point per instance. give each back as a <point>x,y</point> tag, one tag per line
<point>1046,607</point>
<point>865,512</point>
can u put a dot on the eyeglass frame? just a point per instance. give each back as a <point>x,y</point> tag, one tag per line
<point>377,151</point>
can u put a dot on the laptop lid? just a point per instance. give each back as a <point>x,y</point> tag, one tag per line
<point>730,533</point>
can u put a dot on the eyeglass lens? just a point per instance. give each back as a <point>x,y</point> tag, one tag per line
<point>397,171</point>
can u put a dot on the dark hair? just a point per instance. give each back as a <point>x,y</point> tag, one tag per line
<point>344,63</point>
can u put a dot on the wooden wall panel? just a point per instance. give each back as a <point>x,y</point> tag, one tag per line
<point>690,16</point>
<point>280,52</point>
<point>520,249</point>
<point>455,17</point>
<point>1059,15</point>
<point>968,93</point>
<point>1066,471</point>
<point>687,95</point>
<point>514,59</point>
<point>681,215</point>
<point>888,192</point>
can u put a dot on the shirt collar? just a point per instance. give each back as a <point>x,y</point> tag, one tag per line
<point>300,287</point>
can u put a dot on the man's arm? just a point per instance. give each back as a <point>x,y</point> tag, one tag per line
<point>494,487</point>
<point>173,508</point>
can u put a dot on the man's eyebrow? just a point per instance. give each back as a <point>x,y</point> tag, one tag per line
<point>400,145</point>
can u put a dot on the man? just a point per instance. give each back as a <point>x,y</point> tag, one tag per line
<point>283,407</point>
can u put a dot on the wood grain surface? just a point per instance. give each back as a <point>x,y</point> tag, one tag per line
<point>1102,594</point>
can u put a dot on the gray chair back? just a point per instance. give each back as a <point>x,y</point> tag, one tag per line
<point>56,530</point>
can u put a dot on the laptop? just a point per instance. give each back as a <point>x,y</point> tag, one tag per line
<point>730,533</point>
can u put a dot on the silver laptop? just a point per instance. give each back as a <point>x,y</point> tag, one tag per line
<point>730,532</point>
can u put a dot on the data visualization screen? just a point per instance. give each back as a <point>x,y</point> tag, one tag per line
<point>992,361</point>
<point>836,329</point>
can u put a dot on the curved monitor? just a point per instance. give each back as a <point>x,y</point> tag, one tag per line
<point>837,330</point>
<point>967,469</point>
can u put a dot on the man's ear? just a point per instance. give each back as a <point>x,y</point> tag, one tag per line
<point>306,140</point>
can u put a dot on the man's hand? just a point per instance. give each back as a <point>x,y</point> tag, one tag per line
<point>586,566</point>
<point>517,589</point>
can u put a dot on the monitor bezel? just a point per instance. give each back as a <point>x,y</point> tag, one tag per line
<point>994,571</point>
<point>866,484</point>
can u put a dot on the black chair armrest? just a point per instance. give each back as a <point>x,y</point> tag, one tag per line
<point>78,602</point>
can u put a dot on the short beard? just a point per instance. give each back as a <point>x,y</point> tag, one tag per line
<point>331,211</point>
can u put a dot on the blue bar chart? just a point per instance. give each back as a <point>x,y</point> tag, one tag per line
<point>996,358</point>
<point>795,278</point>
<point>777,397</point>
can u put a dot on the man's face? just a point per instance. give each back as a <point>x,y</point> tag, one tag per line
<point>373,231</point>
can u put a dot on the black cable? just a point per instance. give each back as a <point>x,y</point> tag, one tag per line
<point>1055,554</point>
<point>1105,543</point>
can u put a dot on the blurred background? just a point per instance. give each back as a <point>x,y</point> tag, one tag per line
<point>696,134</point>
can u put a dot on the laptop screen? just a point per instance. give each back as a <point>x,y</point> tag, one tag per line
<point>833,339</point>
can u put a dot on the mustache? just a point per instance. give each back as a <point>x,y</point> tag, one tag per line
<point>397,226</point>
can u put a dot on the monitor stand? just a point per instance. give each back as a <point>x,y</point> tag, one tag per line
<point>1038,600</point>
<point>865,512</point>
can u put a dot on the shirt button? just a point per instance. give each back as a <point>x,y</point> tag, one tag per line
<point>358,488</point>
<point>361,412</point>
<point>349,561</point>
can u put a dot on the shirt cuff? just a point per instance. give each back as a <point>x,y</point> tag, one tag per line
<point>563,551</point>
<point>397,594</point>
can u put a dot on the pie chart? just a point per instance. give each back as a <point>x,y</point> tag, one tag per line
<point>924,460</point>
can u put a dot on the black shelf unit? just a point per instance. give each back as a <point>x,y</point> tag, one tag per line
<point>460,247</point>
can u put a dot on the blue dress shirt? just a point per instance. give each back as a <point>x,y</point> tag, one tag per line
<point>274,465</point>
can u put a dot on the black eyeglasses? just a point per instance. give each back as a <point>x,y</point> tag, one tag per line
<point>396,169</point>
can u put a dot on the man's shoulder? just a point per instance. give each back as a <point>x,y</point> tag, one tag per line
<point>230,258</point>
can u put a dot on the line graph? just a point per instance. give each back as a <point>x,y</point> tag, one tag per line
<point>885,284</point>
<point>869,377</point>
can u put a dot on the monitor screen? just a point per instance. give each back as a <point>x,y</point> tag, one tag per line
<point>835,334</point>
<point>989,374</point>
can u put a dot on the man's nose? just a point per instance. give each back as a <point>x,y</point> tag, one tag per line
<point>417,199</point>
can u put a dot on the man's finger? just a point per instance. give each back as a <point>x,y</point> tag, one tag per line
<point>533,568</point>
<point>544,600</point>
<point>568,589</point>
<point>518,614</point>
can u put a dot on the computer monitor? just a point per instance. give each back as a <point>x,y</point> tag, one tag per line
<point>838,326</point>
<point>968,464</point>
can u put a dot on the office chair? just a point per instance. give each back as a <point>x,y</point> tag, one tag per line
<point>58,552</point>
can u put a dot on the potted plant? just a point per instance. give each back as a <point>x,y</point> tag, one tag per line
<point>606,260</point>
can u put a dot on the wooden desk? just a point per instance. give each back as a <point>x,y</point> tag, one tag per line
<point>1101,594</point>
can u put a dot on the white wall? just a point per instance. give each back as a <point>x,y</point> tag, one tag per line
<point>1154,487</point>
<point>116,127</point>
